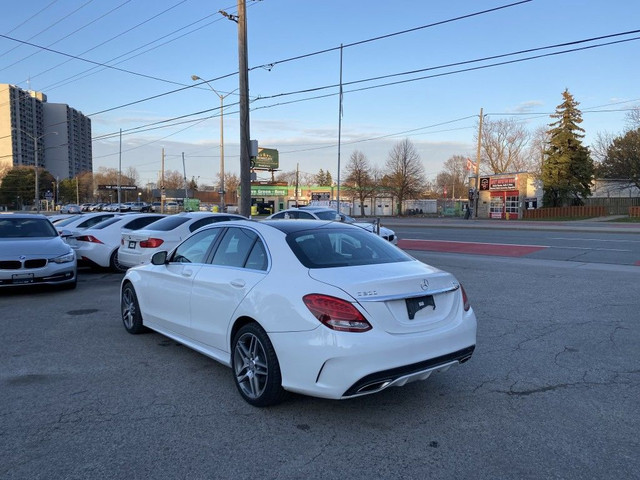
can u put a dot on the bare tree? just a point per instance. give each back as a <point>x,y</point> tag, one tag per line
<point>173,180</point>
<point>534,154</point>
<point>405,172</point>
<point>601,145</point>
<point>132,176</point>
<point>503,145</point>
<point>633,118</point>
<point>454,176</point>
<point>292,177</point>
<point>360,178</point>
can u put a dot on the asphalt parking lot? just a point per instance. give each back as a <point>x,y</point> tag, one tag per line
<point>551,392</point>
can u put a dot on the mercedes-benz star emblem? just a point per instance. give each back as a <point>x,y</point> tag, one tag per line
<point>425,284</point>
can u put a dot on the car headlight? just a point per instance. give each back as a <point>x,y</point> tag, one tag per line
<point>70,256</point>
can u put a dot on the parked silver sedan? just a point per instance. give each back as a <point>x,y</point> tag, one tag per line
<point>32,253</point>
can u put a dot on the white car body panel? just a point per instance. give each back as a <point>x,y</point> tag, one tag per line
<point>198,305</point>
<point>110,236</point>
<point>131,254</point>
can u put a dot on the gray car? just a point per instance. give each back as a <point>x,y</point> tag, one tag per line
<point>32,253</point>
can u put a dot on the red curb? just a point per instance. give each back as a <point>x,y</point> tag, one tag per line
<point>498,249</point>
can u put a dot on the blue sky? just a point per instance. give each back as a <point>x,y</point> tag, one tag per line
<point>155,47</point>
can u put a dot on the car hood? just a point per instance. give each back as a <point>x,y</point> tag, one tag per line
<point>32,247</point>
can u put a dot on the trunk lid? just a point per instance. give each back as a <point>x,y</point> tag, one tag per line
<point>402,297</point>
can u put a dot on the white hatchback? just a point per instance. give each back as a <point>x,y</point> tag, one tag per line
<point>137,248</point>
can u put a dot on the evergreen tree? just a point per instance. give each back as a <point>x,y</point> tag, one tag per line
<point>622,158</point>
<point>568,169</point>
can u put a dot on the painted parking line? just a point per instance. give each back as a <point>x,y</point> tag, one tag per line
<point>498,249</point>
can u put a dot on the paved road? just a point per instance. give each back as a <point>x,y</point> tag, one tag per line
<point>551,392</point>
<point>584,241</point>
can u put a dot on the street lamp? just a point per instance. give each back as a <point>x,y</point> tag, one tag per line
<point>35,162</point>
<point>222,97</point>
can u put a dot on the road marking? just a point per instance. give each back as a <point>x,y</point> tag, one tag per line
<point>594,240</point>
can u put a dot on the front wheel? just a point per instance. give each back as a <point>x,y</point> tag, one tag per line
<point>256,368</point>
<point>131,316</point>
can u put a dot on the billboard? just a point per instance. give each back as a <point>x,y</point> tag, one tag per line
<point>267,159</point>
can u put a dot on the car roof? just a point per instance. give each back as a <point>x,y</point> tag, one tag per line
<point>291,226</point>
<point>25,215</point>
<point>309,209</point>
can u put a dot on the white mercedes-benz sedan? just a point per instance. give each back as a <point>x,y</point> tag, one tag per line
<point>307,306</point>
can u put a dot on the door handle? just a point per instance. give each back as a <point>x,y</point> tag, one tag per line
<point>187,273</point>
<point>238,283</point>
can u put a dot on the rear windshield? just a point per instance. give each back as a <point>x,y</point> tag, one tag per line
<point>107,222</point>
<point>168,223</point>
<point>26,228</point>
<point>340,248</point>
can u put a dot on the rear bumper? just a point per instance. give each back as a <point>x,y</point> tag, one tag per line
<point>341,365</point>
<point>378,381</point>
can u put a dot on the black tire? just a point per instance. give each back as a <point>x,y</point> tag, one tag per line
<point>114,264</point>
<point>255,366</point>
<point>130,310</point>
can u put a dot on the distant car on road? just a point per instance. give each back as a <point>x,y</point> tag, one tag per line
<point>71,208</point>
<point>140,207</point>
<point>325,213</point>
<point>32,253</point>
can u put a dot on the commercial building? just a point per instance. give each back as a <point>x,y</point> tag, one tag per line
<point>61,134</point>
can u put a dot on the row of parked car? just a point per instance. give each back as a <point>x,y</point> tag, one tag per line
<point>118,240</point>
<point>107,207</point>
<point>357,316</point>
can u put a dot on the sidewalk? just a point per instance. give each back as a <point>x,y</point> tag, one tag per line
<point>602,224</point>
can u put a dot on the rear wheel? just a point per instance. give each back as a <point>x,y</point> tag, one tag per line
<point>131,317</point>
<point>114,264</point>
<point>256,368</point>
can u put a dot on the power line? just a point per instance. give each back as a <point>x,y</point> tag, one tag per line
<point>51,25</point>
<point>319,52</point>
<point>69,34</point>
<point>355,82</point>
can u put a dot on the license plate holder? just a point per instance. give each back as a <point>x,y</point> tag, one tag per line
<point>22,278</point>
<point>414,305</point>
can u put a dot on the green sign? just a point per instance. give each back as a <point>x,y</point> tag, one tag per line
<point>267,159</point>
<point>268,191</point>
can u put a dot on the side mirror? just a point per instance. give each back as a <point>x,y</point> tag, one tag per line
<point>159,258</point>
<point>66,234</point>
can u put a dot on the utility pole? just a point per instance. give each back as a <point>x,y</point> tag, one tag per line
<point>120,173</point>
<point>184,172</point>
<point>476,196</point>
<point>162,193</point>
<point>243,73</point>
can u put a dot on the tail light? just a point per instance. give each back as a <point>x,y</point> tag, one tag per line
<point>465,299</point>
<point>88,238</point>
<point>336,314</point>
<point>151,243</point>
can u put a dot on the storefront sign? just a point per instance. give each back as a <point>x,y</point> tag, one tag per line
<point>268,191</point>
<point>502,183</point>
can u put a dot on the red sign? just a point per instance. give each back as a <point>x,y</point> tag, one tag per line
<point>502,183</point>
